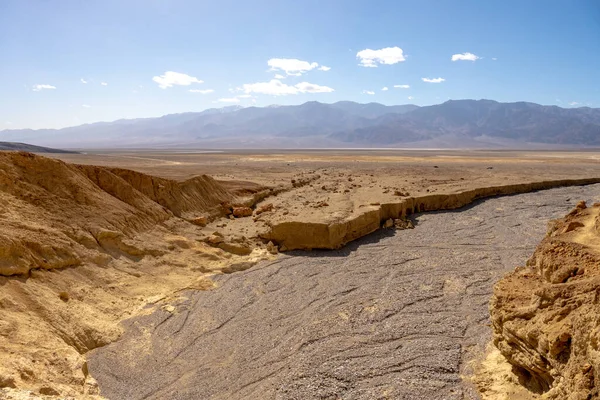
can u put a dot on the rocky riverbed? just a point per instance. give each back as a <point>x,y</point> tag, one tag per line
<point>397,314</point>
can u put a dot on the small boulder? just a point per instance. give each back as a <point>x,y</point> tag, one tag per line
<point>388,224</point>
<point>49,391</point>
<point>227,208</point>
<point>265,208</point>
<point>240,212</point>
<point>272,248</point>
<point>200,221</point>
<point>235,248</point>
<point>403,224</point>
<point>214,240</point>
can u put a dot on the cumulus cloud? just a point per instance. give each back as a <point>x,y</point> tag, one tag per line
<point>37,88</point>
<point>201,91</point>
<point>368,92</point>
<point>83,80</point>
<point>229,100</point>
<point>410,97</point>
<point>433,80</point>
<point>324,68</point>
<point>291,66</point>
<point>277,88</point>
<point>388,55</point>
<point>465,57</point>
<point>86,106</point>
<point>104,84</point>
<point>402,86</point>
<point>279,76</point>
<point>170,78</point>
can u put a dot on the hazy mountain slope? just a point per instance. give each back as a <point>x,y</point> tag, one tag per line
<point>372,110</point>
<point>342,124</point>
<point>31,148</point>
<point>525,122</point>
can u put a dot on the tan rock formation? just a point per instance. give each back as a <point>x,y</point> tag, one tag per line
<point>304,232</point>
<point>546,315</point>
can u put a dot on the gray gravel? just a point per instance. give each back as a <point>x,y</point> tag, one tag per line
<point>397,315</point>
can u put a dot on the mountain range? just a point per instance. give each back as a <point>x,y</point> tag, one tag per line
<point>455,123</point>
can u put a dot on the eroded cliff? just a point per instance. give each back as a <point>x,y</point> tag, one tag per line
<point>546,315</point>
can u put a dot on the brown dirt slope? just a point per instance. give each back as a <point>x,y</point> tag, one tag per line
<point>546,316</point>
<point>198,193</point>
<point>56,215</point>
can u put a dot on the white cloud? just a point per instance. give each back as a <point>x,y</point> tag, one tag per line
<point>202,91</point>
<point>402,86</point>
<point>277,88</point>
<point>324,68</point>
<point>279,76</point>
<point>385,89</point>
<point>368,92</point>
<point>494,58</point>
<point>433,80</point>
<point>86,106</point>
<point>229,100</point>
<point>388,55</point>
<point>465,57</point>
<point>83,80</point>
<point>291,66</point>
<point>305,87</point>
<point>104,84</point>
<point>37,88</point>
<point>244,96</point>
<point>170,78</point>
<point>410,97</point>
<point>573,103</point>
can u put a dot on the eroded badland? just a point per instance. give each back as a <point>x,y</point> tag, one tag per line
<point>88,241</point>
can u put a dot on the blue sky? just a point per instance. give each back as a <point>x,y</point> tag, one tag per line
<point>127,52</point>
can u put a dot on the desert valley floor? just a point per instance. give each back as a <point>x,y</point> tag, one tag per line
<point>281,278</point>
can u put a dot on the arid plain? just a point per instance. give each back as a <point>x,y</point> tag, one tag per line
<point>123,250</point>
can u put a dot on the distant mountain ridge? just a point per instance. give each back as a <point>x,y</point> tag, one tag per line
<point>12,146</point>
<point>455,123</point>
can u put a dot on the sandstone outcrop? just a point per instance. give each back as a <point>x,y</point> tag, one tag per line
<point>56,215</point>
<point>546,315</point>
<point>333,233</point>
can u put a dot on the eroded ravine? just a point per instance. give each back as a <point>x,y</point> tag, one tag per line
<point>393,315</point>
